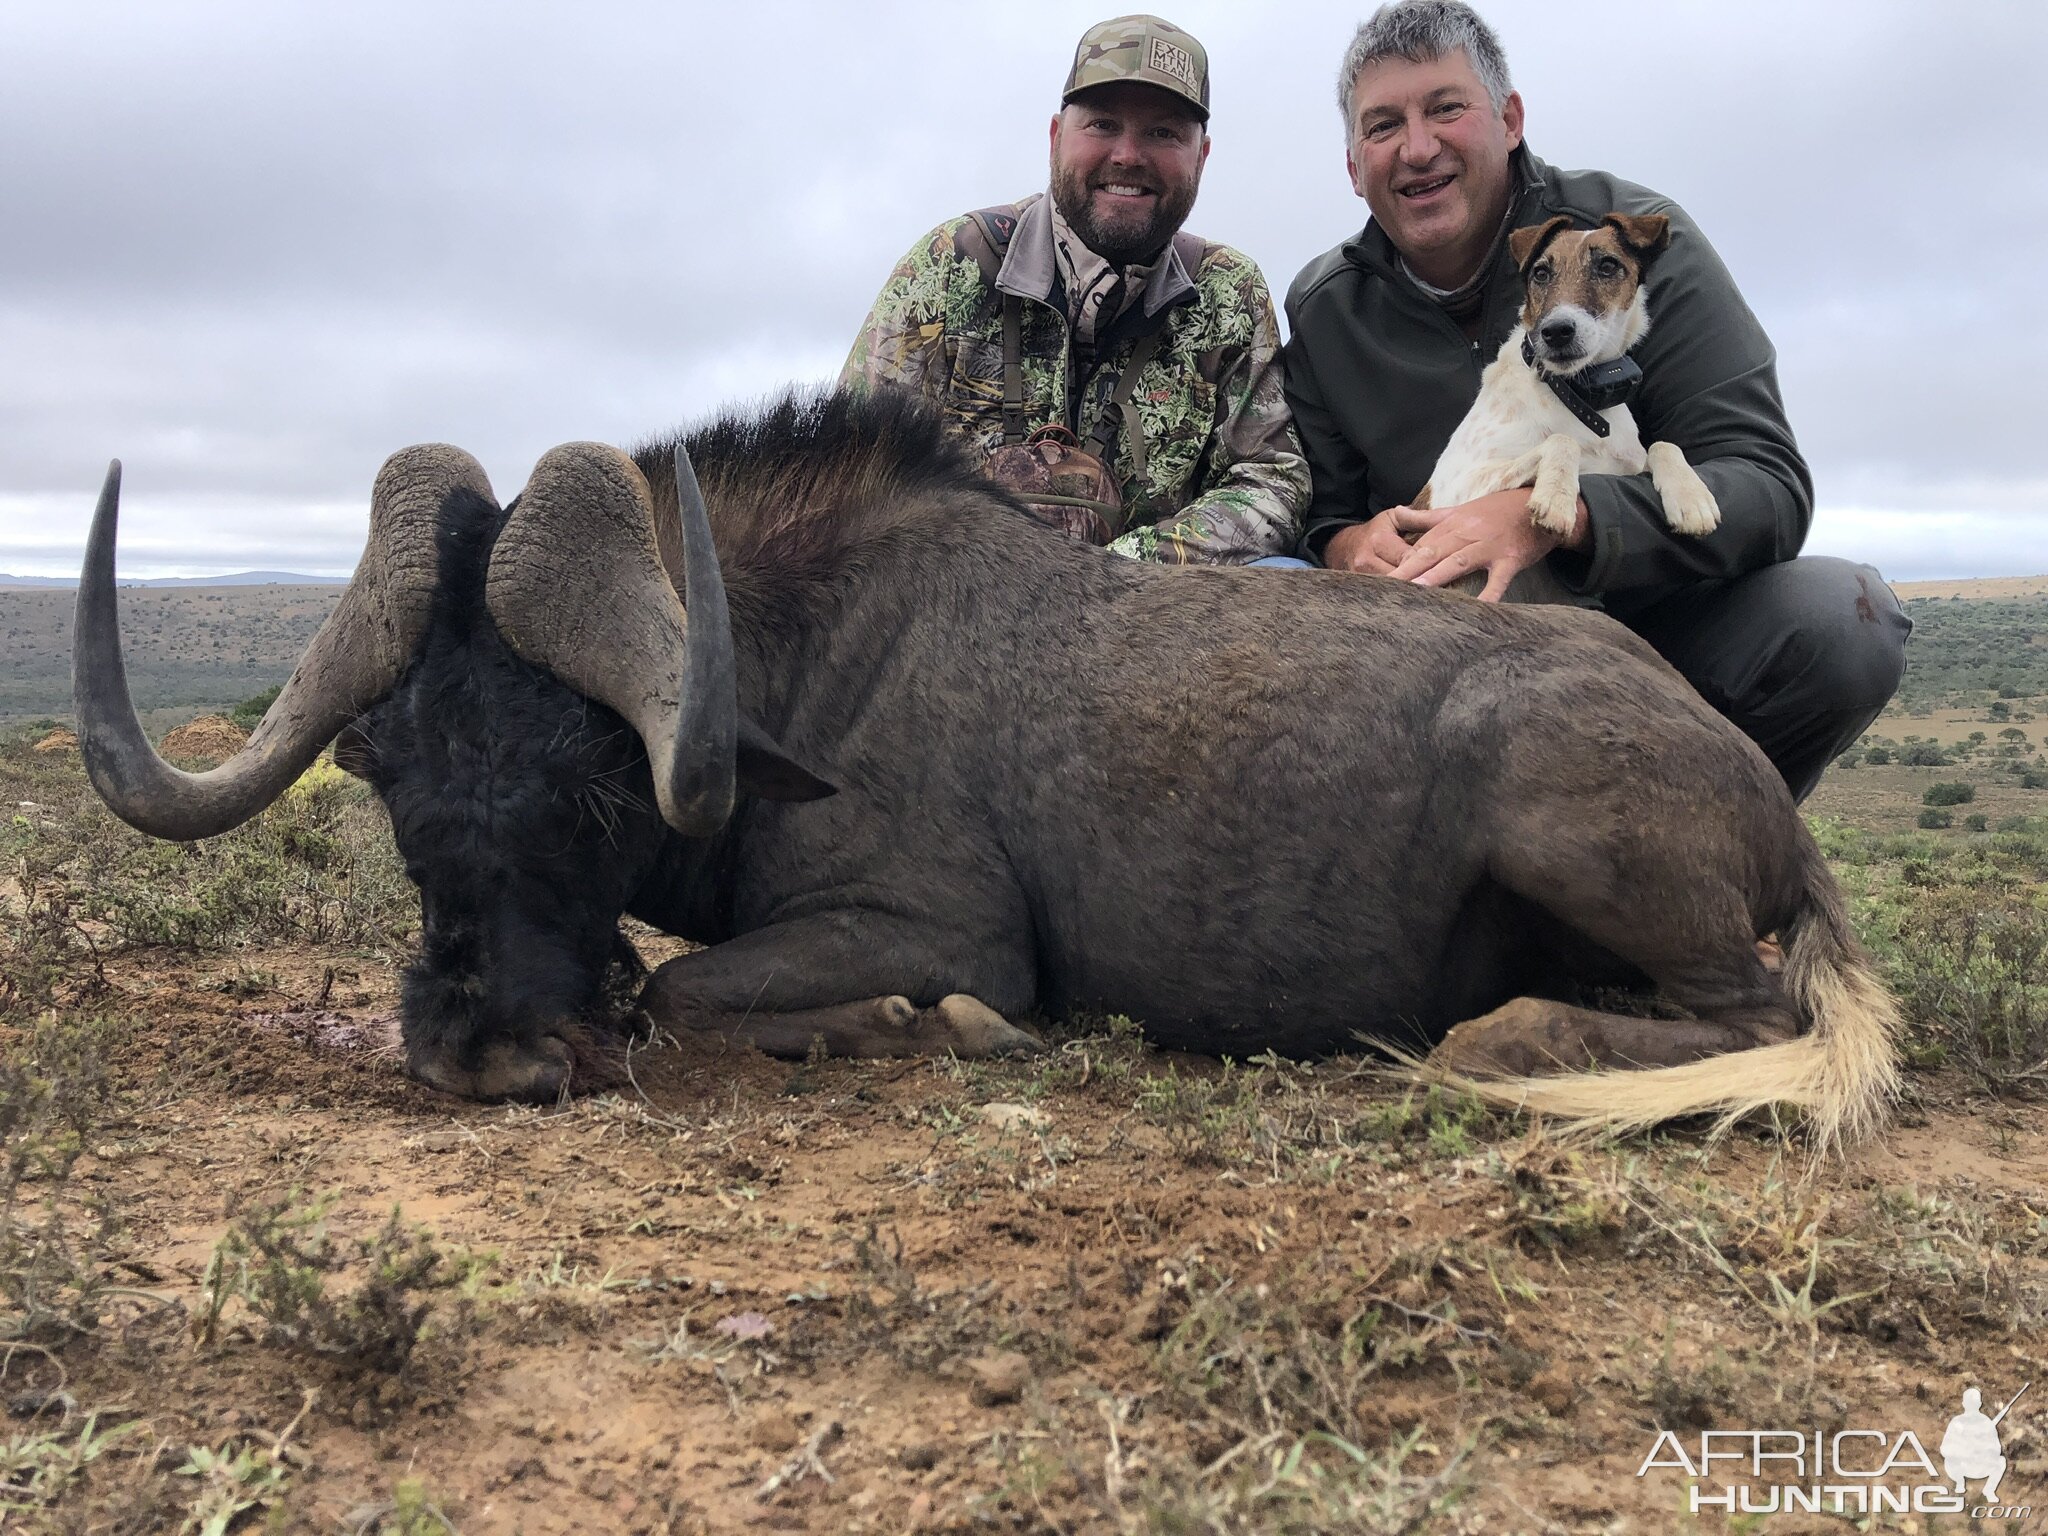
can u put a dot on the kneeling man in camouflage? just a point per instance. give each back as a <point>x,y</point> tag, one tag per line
<point>1121,376</point>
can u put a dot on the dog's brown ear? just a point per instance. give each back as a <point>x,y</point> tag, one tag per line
<point>1645,234</point>
<point>1525,245</point>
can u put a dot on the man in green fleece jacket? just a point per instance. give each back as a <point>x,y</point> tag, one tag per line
<point>1391,330</point>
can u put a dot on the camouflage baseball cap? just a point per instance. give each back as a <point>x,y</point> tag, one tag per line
<point>1146,50</point>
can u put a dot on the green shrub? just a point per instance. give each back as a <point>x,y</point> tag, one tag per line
<point>251,710</point>
<point>1877,757</point>
<point>1923,754</point>
<point>1976,821</point>
<point>1970,966</point>
<point>318,866</point>
<point>1932,820</point>
<point>54,1234</point>
<point>276,1262</point>
<point>1949,794</point>
<point>2033,778</point>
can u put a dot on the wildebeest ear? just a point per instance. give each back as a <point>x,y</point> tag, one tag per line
<point>1645,234</point>
<point>353,752</point>
<point>1525,245</point>
<point>771,773</point>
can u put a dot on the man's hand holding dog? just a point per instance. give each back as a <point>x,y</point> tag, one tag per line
<point>1433,547</point>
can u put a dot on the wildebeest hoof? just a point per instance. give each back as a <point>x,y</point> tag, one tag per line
<point>535,1074</point>
<point>1526,1037</point>
<point>972,1028</point>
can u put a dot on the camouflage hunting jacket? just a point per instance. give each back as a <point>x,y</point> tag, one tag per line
<point>1224,480</point>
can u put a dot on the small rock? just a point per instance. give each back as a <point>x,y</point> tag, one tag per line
<point>1017,1117</point>
<point>744,1325</point>
<point>28,1404</point>
<point>920,1456</point>
<point>998,1377</point>
<point>774,1430</point>
<point>918,1516</point>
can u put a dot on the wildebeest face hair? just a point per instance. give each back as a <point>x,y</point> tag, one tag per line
<point>526,817</point>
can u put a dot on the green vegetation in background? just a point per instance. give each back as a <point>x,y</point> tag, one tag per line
<point>1960,925</point>
<point>250,711</point>
<point>206,647</point>
<point>1963,647</point>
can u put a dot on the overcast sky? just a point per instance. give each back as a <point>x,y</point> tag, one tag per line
<point>251,248</point>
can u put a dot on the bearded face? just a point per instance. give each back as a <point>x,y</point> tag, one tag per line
<point>1126,164</point>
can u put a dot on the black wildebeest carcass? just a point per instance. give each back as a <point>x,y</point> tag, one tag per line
<point>912,766</point>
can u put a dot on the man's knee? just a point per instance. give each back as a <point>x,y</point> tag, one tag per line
<point>1831,637</point>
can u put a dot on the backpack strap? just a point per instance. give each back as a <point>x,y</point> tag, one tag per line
<point>997,225</point>
<point>1013,368</point>
<point>1119,410</point>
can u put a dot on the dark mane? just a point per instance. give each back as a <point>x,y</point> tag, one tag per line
<point>802,485</point>
<point>464,532</point>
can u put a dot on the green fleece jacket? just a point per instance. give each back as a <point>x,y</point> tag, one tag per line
<point>1379,376</point>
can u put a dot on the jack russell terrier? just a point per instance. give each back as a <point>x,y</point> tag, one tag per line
<point>1551,405</point>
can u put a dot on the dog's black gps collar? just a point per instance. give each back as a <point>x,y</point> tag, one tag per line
<point>1591,390</point>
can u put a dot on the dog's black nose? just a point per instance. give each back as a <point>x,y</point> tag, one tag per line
<point>1559,333</point>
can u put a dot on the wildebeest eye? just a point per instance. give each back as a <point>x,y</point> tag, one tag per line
<point>1607,266</point>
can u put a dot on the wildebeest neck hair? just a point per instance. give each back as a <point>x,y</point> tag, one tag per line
<point>802,488</point>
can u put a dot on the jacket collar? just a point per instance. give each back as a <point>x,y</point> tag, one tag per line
<point>1371,248</point>
<point>1031,267</point>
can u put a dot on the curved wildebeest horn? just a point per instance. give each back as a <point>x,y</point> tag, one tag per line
<point>576,585</point>
<point>352,662</point>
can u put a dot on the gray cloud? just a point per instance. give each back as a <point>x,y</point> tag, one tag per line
<point>252,249</point>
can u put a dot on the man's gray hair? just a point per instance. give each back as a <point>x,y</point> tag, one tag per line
<point>1423,31</point>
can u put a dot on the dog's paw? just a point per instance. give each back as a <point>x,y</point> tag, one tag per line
<point>1557,514</point>
<point>1691,508</point>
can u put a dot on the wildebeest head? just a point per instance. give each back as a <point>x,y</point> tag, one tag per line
<point>531,699</point>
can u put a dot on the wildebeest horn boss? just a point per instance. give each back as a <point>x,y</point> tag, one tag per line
<point>1252,811</point>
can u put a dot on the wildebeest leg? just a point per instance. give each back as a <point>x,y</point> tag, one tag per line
<point>1533,1036</point>
<point>785,988</point>
<point>1655,893</point>
<point>875,1026</point>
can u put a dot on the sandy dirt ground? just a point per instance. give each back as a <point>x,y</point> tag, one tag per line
<point>1049,1295</point>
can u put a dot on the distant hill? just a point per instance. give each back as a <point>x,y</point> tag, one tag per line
<point>238,579</point>
<point>207,644</point>
<point>1976,589</point>
<point>188,647</point>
